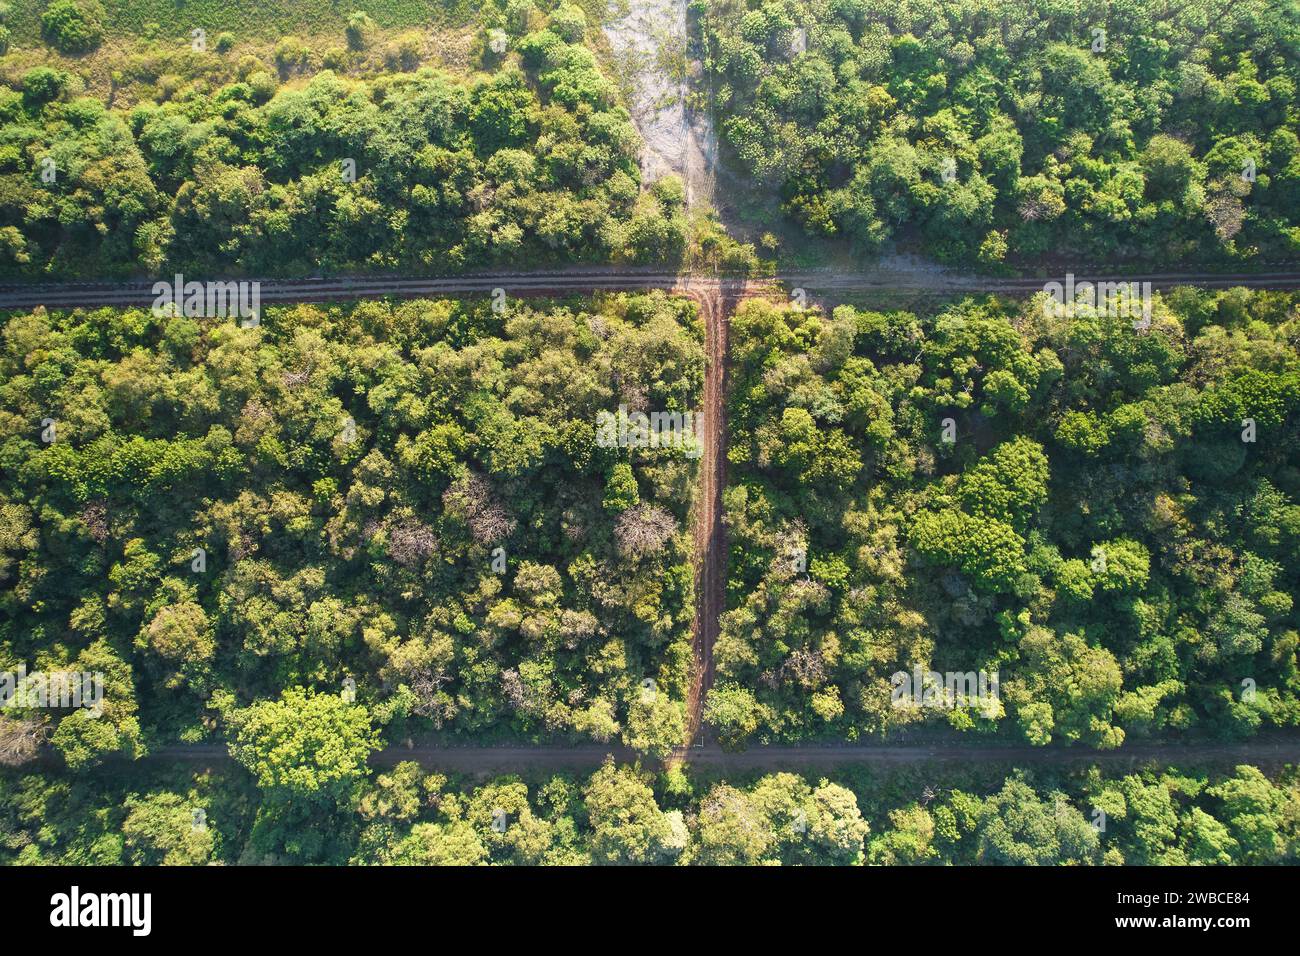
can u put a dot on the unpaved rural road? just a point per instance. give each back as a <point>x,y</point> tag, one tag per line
<point>499,759</point>
<point>716,305</point>
<point>586,281</point>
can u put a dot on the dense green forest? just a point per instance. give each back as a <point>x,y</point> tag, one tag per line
<point>625,815</point>
<point>283,164</point>
<point>981,131</point>
<point>409,496</point>
<point>290,543</point>
<point>1105,516</point>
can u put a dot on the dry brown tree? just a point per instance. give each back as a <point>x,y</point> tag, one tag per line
<point>643,530</point>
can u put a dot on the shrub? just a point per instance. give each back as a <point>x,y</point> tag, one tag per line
<point>569,23</point>
<point>359,29</point>
<point>42,85</point>
<point>73,26</point>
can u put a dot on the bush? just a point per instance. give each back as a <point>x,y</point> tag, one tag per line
<point>43,85</point>
<point>73,26</point>
<point>519,16</point>
<point>292,54</point>
<point>358,31</point>
<point>569,23</point>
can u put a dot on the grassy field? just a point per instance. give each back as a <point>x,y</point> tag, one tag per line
<point>250,19</point>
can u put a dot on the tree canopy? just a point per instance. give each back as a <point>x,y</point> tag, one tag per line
<point>1019,129</point>
<point>1103,516</point>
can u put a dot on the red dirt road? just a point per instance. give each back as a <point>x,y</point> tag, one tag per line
<point>716,303</point>
<point>710,547</point>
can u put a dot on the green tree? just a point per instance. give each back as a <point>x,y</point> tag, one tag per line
<point>627,824</point>
<point>305,745</point>
<point>621,490</point>
<point>733,712</point>
<point>73,26</point>
<point>1020,828</point>
<point>160,830</point>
